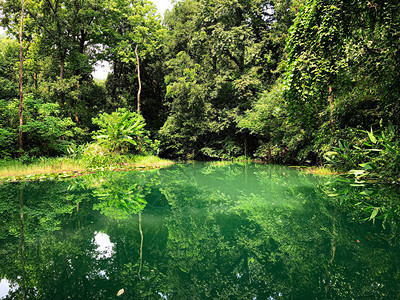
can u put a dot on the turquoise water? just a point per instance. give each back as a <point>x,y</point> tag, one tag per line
<point>199,231</point>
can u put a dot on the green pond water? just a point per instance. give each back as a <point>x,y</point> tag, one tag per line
<point>199,231</point>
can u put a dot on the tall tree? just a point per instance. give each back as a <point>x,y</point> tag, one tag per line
<point>227,50</point>
<point>68,30</point>
<point>139,81</point>
<point>21,61</point>
<point>135,35</point>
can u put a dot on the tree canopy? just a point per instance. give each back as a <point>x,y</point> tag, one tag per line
<point>280,81</point>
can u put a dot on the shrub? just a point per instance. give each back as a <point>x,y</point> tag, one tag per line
<point>45,130</point>
<point>95,155</point>
<point>378,156</point>
<point>123,131</point>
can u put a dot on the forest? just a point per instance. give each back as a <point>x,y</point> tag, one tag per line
<point>300,82</point>
<point>252,96</point>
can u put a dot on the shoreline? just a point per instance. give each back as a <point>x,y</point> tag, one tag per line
<point>43,171</point>
<point>59,168</point>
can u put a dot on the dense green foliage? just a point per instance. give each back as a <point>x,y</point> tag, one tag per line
<point>223,55</point>
<point>281,81</point>
<point>121,130</point>
<point>377,156</point>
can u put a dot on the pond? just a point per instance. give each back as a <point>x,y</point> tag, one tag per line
<point>199,231</point>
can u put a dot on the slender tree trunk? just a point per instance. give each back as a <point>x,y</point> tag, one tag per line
<point>22,242</point>
<point>245,147</point>
<point>115,79</point>
<point>333,251</point>
<point>141,246</point>
<point>330,99</point>
<point>76,107</point>
<point>140,83</point>
<point>62,63</point>
<point>21,63</point>
<point>139,91</point>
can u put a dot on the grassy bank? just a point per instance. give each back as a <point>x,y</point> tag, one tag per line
<point>48,168</point>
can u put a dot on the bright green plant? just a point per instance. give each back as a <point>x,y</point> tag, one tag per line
<point>75,151</point>
<point>383,155</point>
<point>122,131</point>
<point>343,157</point>
<point>378,156</point>
<point>95,155</point>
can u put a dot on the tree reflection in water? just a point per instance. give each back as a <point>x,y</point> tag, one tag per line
<point>211,230</point>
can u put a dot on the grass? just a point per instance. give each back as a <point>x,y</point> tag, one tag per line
<point>148,161</point>
<point>42,166</point>
<point>16,170</point>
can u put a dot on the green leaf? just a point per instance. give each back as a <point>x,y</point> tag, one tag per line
<point>366,193</point>
<point>367,166</point>
<point>331,153</point>
<point>374,214</point>
<point>357,172</point>
<point>372,137</point>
